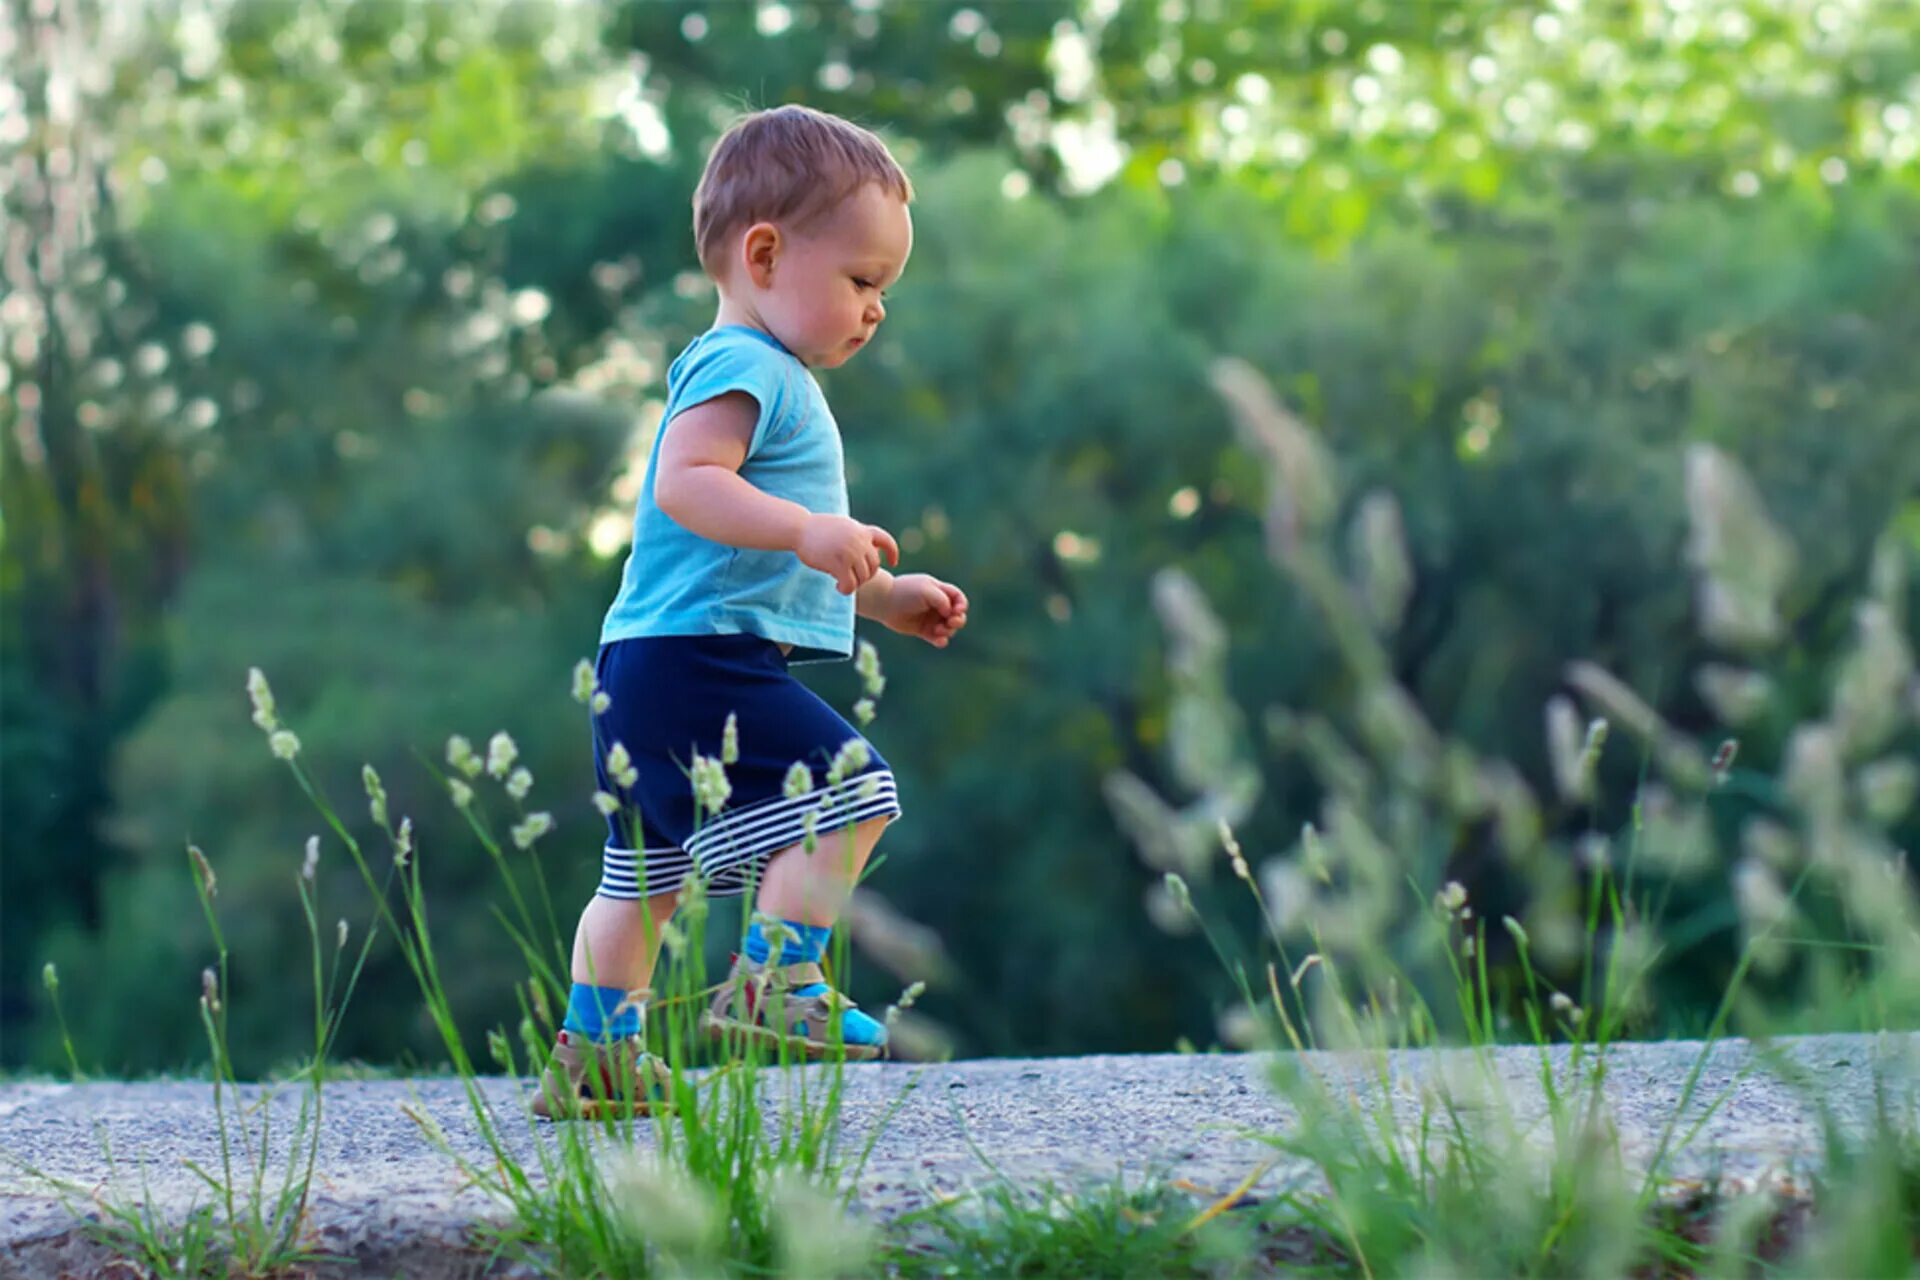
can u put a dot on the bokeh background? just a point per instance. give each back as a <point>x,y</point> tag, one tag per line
<point>1572,332</point>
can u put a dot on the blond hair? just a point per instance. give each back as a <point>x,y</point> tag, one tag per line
<point>786,164</point>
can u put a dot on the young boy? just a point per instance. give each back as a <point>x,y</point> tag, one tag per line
<point>745,562</point>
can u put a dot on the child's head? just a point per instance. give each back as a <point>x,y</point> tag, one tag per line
<point>801,219</point>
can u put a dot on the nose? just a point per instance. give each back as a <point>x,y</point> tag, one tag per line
<point>876,311</point>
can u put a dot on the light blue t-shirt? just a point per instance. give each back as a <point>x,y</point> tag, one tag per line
<point>677,583</point>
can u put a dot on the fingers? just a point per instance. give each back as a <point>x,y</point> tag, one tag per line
<point>884,540</point>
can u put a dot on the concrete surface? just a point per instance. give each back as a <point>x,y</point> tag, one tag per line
<point>383,1195</point>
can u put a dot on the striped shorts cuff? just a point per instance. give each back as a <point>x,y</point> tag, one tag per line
<point>738,842</point>
<point>620,872</point>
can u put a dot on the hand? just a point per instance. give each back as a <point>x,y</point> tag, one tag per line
<point>922,605</point>
<point>845,549</point>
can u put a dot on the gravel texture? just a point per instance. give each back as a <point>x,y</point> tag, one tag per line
<point>384,1196</point>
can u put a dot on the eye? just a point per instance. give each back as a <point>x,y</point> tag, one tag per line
<point>862,283</point>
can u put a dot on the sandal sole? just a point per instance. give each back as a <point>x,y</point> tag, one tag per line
<point>719,1029</point>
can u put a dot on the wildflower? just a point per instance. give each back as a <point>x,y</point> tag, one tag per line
<point>1240,1027</point>
<point>263,709</point>
<point>1379,544</point>
<point>1177,890</point>
<point>730,740</point>
<point>461,792</point>
<point>1467,947</point>
<point>497,1048</point>
<point>870,787</point>
<point>668,1209</point>
<point>867,662</point>
<point>501,753</point>
<point>1758,894</point>
<point>1313,854</point>
<point>376,794</point>
<point>600,703</point>
<point>808,839</point>
<point>863,712</point>
<point>1451,898</point>
<point>201,866</point>
<point>1735,695</point>
<point>403,842</point>
<point>1723,759</point>
<point>460,756</point>
<point>1887,789</point>
<point>535,826</point>
<point>210,989</point>
<point>1563,1005</point>
<point>285,746</point>
<point>799,781</point>
<point>1288,894</point>
<point>519,784</point>
<point>710,785</point>
<point>342,932</point>
<point>584,684</point>
<point>50,977</point>
<point>853,756</point>
<point>606,804</point>
<point>1513,927</point>
<point>1234,856</point>
<point>905,1002</point>
<point>620,766</point>
<point>312,862</point>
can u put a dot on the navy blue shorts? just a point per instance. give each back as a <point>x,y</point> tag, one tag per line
<point>669,697</point>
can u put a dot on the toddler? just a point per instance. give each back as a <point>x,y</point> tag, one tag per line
<point>714,759</point>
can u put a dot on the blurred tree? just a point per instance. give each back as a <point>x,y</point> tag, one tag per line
<point>335,334</point>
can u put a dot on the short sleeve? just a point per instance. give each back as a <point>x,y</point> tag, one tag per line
<point>726,363</point>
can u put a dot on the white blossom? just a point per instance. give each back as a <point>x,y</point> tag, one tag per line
<point>799,781</point>
<point>501,753</point>
<point>535,826</point>
<point>852,757</point>
<point>376,794</point>
<point>710,785</point>
<point>262,695</point>
<point>620,766</point>
<point>460,755</point>
<point>606,804</point>
<point>867,662</point>
<point>519,784</point>
<point>285,746</point>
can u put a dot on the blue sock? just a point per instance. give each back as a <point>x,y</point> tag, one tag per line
<point>810,943</point>
<point>804,942</point>
<point>590,1012</point>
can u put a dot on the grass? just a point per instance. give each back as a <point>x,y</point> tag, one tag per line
<point>1377,1181</point>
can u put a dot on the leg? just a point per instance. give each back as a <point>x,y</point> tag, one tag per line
<point>618,941</point>
<point>814,888</point>
<point>807,892</point>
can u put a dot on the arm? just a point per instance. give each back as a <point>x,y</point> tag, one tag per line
<point>699,483</point>
<point>699,486</point>
<point>871,601</point>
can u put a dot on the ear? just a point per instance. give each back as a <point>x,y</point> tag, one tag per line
<point>759,250</point>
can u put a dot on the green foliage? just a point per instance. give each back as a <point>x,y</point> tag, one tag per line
<point>347,367</point>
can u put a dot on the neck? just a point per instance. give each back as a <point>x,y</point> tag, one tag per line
<point>738,311</point>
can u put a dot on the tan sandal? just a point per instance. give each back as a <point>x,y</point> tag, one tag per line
<point>809,1025</point>
<point>586,1081</point>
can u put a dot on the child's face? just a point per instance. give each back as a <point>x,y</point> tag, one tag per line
<point>821,292</point>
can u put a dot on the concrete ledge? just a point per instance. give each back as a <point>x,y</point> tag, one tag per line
<point>385,1197</point>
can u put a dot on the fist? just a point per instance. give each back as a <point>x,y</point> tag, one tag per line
<point>845,550</point>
